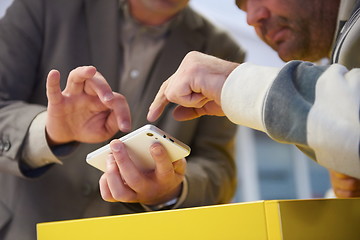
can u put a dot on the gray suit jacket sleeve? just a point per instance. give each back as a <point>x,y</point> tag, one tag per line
<point>20,49</point>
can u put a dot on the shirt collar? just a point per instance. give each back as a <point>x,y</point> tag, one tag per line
<point>345,10</point>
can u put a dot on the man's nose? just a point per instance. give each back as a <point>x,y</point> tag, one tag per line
<point>256,13</point>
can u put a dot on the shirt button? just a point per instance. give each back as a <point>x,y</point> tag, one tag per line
<point>134,73</point>
<point>7,146</point>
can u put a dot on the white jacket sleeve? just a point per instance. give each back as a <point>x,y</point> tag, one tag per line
<point>314,107</point>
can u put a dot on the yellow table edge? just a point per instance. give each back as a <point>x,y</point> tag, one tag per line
<point>269,220</point>
<point>246,221</point>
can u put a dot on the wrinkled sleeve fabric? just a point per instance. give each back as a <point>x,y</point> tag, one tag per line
<point>40,154</point>
<point>20,49</point>
<point>314,107</point>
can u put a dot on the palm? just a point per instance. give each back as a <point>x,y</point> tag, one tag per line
<point>83,117</point>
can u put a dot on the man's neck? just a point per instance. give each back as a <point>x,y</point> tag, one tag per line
<point>147,17</point>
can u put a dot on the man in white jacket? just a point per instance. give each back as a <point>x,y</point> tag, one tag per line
<point>314,107</point>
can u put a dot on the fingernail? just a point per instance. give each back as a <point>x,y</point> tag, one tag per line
<point>148,117</point>
<point>116,147</point>
<point>108,97</point>
<point>125,126</point>
<point>157,150</point>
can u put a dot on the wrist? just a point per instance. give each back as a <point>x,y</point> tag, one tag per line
<point>52,141</point>
<point>168,204</point>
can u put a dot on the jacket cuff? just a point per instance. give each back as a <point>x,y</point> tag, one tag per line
<point>244,94</point>
<point>37,153</point>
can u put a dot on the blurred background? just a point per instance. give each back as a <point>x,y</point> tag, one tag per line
<point>266,169</point>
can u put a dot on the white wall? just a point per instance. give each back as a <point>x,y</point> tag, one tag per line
<point>3,5</point>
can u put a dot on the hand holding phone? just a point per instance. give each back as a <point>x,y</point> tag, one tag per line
<point>138,145</point>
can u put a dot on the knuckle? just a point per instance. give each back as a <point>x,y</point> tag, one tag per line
<point>192,54</point>
<point>119,196</point>
<point>124,196</point>
<point>193,69</point>
<point>107,197</point>
<point>170,96</point>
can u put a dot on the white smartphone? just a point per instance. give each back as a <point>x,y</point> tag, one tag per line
<point>137,144</point>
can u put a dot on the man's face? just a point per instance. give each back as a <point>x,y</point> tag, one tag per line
<point>296,29</point>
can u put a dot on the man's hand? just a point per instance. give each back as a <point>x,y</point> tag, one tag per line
<point>196,86</point>
<point>86,110</point>
<point>124,182</point>
<point>344,186</point>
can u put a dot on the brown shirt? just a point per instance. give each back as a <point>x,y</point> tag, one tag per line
<point>141,44</point>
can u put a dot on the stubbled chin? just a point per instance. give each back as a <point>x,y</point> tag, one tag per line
<point>284,52</point>
<point>274,46</point>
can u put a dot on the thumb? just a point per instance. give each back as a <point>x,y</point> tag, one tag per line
<point>53,90</point>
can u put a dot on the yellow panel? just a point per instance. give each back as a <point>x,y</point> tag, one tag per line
<point>329,219</point>
<point>230,221</point>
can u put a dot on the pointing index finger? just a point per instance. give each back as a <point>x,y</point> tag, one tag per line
<point>158,105</point>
